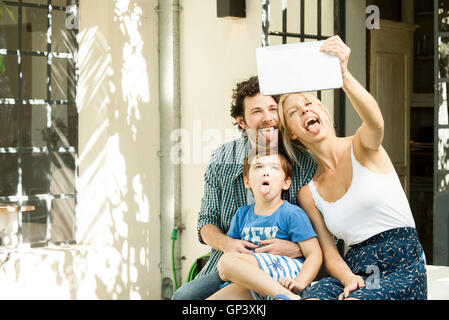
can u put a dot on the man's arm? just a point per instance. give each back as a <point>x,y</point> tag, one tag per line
<point>214,237</point>
<point>209,214</point>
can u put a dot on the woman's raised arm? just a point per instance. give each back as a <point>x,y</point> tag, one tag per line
<point>371,132</point>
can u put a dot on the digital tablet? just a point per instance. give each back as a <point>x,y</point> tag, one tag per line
<point>297,67</point>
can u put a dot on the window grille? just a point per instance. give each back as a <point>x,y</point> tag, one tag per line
<point>311,11</point>
<point>38,122</point>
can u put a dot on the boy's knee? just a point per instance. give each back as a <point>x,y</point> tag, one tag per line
<point>228,259</point>
<point>226,263</point>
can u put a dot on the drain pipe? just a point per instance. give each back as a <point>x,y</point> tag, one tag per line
<point>169,110</point>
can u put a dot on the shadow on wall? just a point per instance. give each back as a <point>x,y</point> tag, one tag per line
<point>111,188</point>
<point>113,213</point>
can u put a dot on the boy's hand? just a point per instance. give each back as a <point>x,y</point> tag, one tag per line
<point>242,246</point>
<point>280,247</point>
<point>291,284</point>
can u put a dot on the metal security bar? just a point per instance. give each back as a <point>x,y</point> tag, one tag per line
<point>339,28</point>
<point>51,150</point>
<point>301,35</point>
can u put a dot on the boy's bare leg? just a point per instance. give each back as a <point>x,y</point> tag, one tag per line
<point>232,291</point>
<point>243,269</point>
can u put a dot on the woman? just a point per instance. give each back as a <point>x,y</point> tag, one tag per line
<point>355,195</point>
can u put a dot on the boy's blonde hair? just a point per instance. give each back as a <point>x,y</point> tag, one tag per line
<point>285,130</point>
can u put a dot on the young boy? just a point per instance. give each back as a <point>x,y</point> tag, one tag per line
<point>263,275</point>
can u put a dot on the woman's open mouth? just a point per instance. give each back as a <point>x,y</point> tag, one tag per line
<point>312,124</point>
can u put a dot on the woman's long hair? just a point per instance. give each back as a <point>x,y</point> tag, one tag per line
<point>285,131</point>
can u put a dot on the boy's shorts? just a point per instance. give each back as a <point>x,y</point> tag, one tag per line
<point>276,267</point>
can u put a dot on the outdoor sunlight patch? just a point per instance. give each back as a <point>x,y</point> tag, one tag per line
<point>135,82</point>
<point>143,214</point>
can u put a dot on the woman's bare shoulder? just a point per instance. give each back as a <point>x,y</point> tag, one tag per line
<point>305,198</point>
<point>375,160</point>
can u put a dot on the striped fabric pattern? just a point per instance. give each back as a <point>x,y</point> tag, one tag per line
<point>276,267</point>
<point>224,190</point>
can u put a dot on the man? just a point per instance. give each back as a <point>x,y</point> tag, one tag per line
<point>225,192</point>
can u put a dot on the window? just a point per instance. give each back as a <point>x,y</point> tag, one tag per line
<point>38,122</point>
<point>292,21</point>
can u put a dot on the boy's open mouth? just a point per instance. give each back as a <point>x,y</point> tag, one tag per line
<point>265,187</point>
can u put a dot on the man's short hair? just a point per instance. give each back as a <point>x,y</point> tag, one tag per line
<point>286,164</point>
<point>248,88</point>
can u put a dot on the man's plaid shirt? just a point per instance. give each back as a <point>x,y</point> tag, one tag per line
<point>225,192</point>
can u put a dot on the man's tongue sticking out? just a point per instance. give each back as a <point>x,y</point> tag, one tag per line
<point>268,133</point>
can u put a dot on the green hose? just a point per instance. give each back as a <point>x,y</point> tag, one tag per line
<point>174,236</point>
<point>192,272</point>
<point>193,269</point>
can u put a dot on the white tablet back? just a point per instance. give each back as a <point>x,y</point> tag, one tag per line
<point>297,67</point>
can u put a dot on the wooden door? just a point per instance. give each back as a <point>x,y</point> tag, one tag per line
<point>390,83</point>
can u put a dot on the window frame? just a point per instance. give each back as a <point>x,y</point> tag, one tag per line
<point>49,151</point>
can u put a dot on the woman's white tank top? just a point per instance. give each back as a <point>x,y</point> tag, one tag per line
<point>374,203</point>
